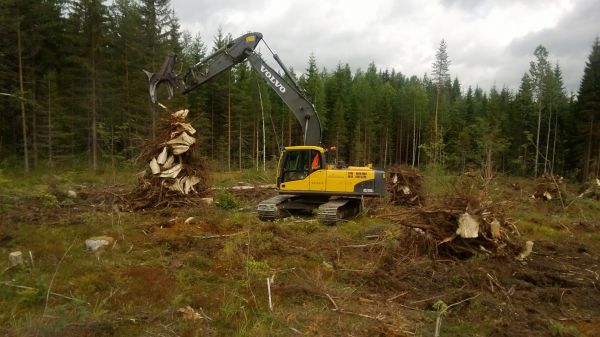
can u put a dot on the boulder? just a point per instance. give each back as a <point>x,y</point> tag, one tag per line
<point>98,242</point>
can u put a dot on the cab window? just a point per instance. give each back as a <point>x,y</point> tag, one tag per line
<point>296,165</point>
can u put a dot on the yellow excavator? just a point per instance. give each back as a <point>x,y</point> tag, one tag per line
<point>305,180</point>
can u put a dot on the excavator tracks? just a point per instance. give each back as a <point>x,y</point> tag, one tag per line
<point>331,212</point>
<point>268,210</point>
<point>328,212</point>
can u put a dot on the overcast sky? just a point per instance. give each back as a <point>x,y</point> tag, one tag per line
<point>489,42</point>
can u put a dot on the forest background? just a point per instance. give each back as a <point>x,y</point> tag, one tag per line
<point>73,96</point>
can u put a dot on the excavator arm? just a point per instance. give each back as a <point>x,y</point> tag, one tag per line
<point>237,51</point>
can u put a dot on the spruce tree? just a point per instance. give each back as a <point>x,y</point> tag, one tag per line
<point>588,110</point>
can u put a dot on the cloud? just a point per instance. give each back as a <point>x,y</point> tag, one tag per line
<point>569,42</point>
<point>489,42</point>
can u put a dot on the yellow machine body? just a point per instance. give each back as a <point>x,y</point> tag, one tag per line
<point>303,170</point>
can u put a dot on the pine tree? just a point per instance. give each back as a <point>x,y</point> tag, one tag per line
<point>522,121</point>
<point>440,76</point>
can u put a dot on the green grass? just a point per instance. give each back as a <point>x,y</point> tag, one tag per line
<point>137,287</point>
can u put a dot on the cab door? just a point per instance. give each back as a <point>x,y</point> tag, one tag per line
<point>318,175</point>
<point>295,170</point>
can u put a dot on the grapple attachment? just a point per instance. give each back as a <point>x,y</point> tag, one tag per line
<point>166,74</point>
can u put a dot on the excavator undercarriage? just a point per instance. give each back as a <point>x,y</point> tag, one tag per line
<point>330,211</point>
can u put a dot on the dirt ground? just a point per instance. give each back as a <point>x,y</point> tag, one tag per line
<point>368,276</point>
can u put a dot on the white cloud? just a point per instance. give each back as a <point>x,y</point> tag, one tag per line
<point>489,42</point>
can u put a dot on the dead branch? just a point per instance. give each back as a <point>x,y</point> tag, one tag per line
<point>202,237</point>
<point>51,293</point>
<point>52,279</point>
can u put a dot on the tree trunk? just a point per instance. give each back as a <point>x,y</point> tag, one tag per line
<point>153,121</point>
<point>212,128</point>
<point>537,140</point>
<point>289,128</point>
<point>254,140</point>
<point>34,135</point>
<point>414,140</point>
<point>229,123</point>
<point>546,161</point>
<point>94,115</point>
<point>554,142</point>
<point>397,154</point>
<point>240,147</point>
<point>385,147</point>
<point>127,139</point>
<point>597,175</point>
<point>22,98</point>
<point>419,144</point>
<point>367,153</point>
<point>50,159</point>
<point>257,141</point>
<point>588,152</point>
<point>262,113</point>
<point>435,125</point>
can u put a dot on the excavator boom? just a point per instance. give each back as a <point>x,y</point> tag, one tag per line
<point>235,52</point>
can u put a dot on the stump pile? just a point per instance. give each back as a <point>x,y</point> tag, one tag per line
<point>404,185</point>
<point>548,187</point>
<point>458,226</point>
<point>173,170</point>
<point>591,190</point>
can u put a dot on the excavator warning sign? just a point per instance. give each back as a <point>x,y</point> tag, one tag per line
<point>250,38</point>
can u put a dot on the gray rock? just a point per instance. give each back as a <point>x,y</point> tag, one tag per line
<point>98,242</point>
<point>15,258</point>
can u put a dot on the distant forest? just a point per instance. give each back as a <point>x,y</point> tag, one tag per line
<point>73,95</point>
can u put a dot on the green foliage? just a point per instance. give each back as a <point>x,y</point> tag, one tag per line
<point>87,103</point>
<point>3,179</point>
<point>440,307</point>
<point>226,200</point>
<point>258,268</point>
<point>557,329</point>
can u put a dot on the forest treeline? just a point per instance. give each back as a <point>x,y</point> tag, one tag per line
<point>73,94</point>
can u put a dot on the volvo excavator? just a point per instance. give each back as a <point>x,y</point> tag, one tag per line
<point>305,180</point>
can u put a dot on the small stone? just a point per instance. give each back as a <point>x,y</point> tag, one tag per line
<point>72,194</point>
<point>207,201</point>
<point>97,242</point>
<point>15,258</point>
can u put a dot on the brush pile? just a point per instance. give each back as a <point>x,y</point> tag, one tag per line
<point>548,187</point>
<point>458,226</point>
<point>404,185</point>
<point>173,170</point>
<point>591,190</point>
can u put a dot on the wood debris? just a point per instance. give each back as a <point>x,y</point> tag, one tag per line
<point>404,185</point>
<point>548,187</point>
<point>173,169</point>
<point>457,226</point>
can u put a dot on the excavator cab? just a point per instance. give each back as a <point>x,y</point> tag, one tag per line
<point>297,163</point>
